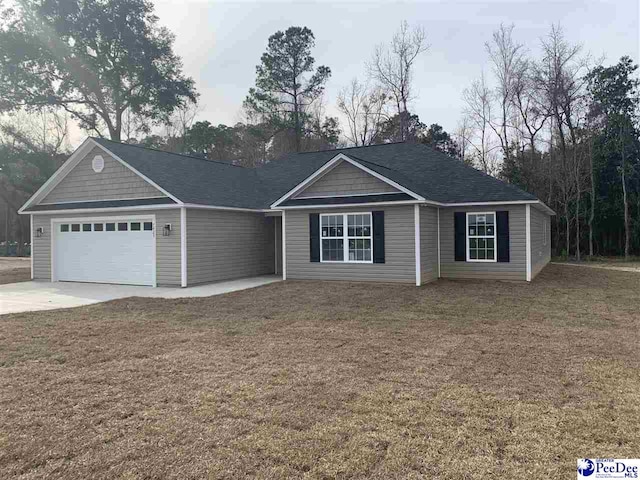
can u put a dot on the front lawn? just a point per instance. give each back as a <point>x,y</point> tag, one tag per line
<point>329,380</point>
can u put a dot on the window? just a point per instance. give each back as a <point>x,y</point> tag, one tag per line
<point>148,225</point>
<point>332,234</point>
<point>98,227</point>
<point>544,232</point>
<point>86,227</point>
<point>64,227</point>
<point>122,227</point>
<point>135,226</point>
<point>359,235</point>
<point>111,227</point>
<point>481,237</point>
<point>75,227</point>
<point>352,244</point>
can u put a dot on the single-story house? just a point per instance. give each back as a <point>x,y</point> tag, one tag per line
<point>118,213</point>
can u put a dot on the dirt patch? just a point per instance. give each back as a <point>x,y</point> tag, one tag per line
<point>11,263</point>
<point>451,380</point>
<point>15,275</point>
<point>617,266</point>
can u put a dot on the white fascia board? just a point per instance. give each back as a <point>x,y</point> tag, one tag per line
<point>146,179</point>
<point>102,200</point>
<point>105,209</point>
<point>329,166</point>
<point>59,174</point>
<point>232,209</point>
<point>353,205</point>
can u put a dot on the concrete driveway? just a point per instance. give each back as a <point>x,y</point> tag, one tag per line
<point>32,296</point>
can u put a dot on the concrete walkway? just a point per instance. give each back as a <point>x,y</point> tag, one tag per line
<point>32,296</point>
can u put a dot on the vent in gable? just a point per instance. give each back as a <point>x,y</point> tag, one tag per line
<point>97,163</point>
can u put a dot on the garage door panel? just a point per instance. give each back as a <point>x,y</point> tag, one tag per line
<point>120,256</point>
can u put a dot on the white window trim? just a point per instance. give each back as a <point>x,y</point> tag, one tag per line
<point>345,237</point>
<point>495,238</point>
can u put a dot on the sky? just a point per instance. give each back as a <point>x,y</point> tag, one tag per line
<point>221,42</point>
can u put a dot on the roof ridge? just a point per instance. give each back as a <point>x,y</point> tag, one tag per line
<point>347,148</point>
<point>170,153</point>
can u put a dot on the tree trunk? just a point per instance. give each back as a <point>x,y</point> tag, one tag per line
<point>592,209</point>
<point>568,226</point>
<point>6,231</point>
<point>578,227</point>
<point>623,176</point>
<point>627,229</point>
<point>20,242</point>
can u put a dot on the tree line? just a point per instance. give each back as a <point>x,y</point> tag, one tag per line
<point>564,127</point>
<point>557,124</point>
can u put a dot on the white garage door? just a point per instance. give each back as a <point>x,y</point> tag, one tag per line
<point>104,251</point>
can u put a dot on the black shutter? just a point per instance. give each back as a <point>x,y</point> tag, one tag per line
<point>378,236</point>
<point>502,226</point>
<point>314,237</point>
<point>460,228</point>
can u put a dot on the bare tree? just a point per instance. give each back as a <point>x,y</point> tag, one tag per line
<point>527,101</point>
<point>364,109</point>
<point>478,100</point>
<point>392,67</point>
<point>560,77</point>
<point>179,124</point>
<point>462,137</point>
<point>509,64</point>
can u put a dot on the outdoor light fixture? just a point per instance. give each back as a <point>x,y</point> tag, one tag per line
<point>39,231</point>
<point>166,230</point>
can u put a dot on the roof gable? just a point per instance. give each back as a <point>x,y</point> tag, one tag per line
<point>345,179</point>
<point>114,182</point>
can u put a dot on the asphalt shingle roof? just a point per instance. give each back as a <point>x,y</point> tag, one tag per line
<point>419,168</point>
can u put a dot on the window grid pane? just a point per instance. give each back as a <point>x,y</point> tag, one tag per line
<point>481,236</point>
<point>359,235</point>
<point>332,250</point>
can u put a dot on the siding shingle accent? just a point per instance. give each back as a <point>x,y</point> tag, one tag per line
<point>345,179</point>
<point>114,182</point>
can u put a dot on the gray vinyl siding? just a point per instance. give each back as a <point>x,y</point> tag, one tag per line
<point>115,182</point>
<point>399,263</point>
<point>540,253</point>
<point>515,269</point>
<point>428,243</point>
<point>345,179</point>
<point>41,248</point>
<point>167,248</point>
<point>222,245</point>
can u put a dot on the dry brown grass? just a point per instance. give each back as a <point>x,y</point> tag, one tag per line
<point>329,380</point>
<point>15,275</point>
